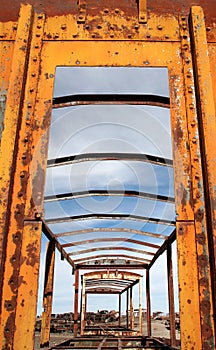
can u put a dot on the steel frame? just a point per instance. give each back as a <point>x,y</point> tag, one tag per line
<point>30,54</point>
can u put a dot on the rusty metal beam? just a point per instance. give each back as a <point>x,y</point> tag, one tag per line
<point>113,99</point>
<point>110,217</point>
<point>90,157</point>
<point>76,300</point>
<point>206,248</point>
<point>164,247</point>
<point>92,193</point>
<point>171,296</point>
<point>48,294</point>
<point>85,251</point>
<point>148,303</point>
<point>112,256</point>
<point>51,236</point>
<point>110,230</point>
<point>114,239</point>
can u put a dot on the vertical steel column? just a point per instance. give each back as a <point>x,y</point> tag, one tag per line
<point>127,308</point>
<point>131,309</point>
<point>206,243</point>
<point>82,321</point>
<point>119,309</point>
<point>48,294</point>
<point>140,306</point>
<point>171,296</point>
<point>76,300</point>
<point>148,303</point>
<point>28,290</point>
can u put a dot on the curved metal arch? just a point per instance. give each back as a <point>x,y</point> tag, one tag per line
<point>114,239</point>
<point>114,99</point>
<point>111,257</point>
<point>93,193</point>
<point>110,217</point>
<point>86,251</point>
<point>111,230</point>
<point>89,157</point>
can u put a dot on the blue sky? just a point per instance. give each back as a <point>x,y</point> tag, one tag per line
<point>130,129</point>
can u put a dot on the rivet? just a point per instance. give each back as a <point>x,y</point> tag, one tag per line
<point>38,35</point>
<point>106,11</point>
<point>38,215</point>
<point>187,60</point>
<point>14,27</point>
<point>7,330</point>
<point>196,159</point>
<point>166,36</point>
<point>184,27</point>
<point>29,105</point>
<point>191,106</point>
<point>198,195</point>
<point>74,35</point>
<point>40,16</point>
<point>159,27</point>
<point>22,174</point>
<point>129,36</point>
<point>196,176</point>
<point>33,75</point>
<point>148,36</point>
<point>35,59</point>
<point>99,27</point>
<point>87,26</point>
<point>93,36</point>
<point>190,90</point>
<point>11,281</point>
<point>31,90</point>
<point>183,18</point>
<point>26,140</point>
<point>20,194</point>
<point>193,123</point>
<point>136,27</point>
<point>185,46</point>
<point>194,140</point>
<point>63,26</point>
<point>81,17</point>
<point>208,29</point>
<point>189,75</point>
<point>111,35</point>
<point>184,36</point>
<point>117,11</point>
<point>39,27</point>
<point>56,36</point>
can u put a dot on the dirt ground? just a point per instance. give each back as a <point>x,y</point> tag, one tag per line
<point>158,330</point>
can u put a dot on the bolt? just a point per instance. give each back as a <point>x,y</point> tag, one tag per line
<point>191,106</point>
<point>190,90</point>
<point>159,27</point>
<point>208,29</point>
<point>194,140</point>
<point>63,26</point>
<point>40,16</point>
<point>29,105</point>
<point>22,174</point>
<point>193,123</point>
<point>38,215</point>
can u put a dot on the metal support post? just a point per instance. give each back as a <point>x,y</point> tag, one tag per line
<point>140,306</point>
<point>171,296</point>
<point>76,300</point>
<point>127,308</point>
<point>119,309</point>
<point>131,309</point>
<point>48,294</point>
<point>148,303</point>
<point>82,321</point>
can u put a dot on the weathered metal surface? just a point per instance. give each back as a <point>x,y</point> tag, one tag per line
<point>76,299</point>
<point>206,236</point>
<point>119,40</point>
<point>171,296</point>
<point>10,10</point>
<point>148,302</point>
<point>26,306</point>
<point>48,294</point>
<point>189,289</point>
